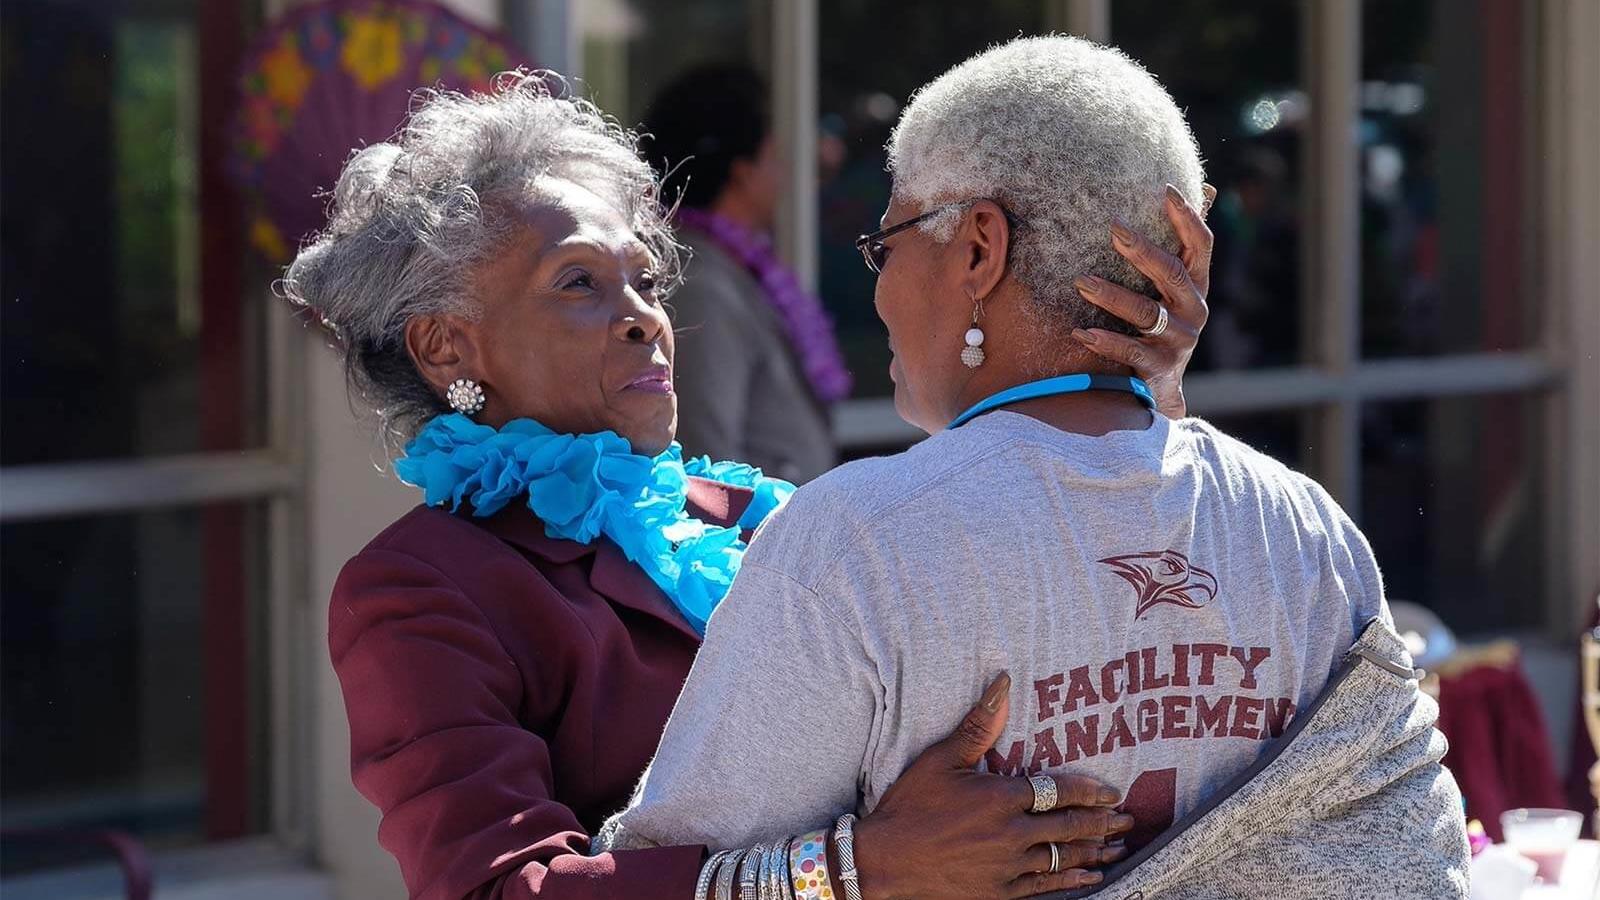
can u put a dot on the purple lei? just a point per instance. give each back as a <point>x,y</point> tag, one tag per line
<point>807,324</point>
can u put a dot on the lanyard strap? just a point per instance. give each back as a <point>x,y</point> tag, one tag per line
<point>1060,384</point>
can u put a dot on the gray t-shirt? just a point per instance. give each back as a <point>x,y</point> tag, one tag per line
<point>1164,600</point>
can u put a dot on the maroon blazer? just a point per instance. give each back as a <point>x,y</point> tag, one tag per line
<point>505,692</point>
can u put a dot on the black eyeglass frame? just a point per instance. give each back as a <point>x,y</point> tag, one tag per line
<point>874,251</point>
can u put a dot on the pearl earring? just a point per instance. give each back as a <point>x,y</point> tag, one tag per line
<point>465,396</point>
<point>972,354</point>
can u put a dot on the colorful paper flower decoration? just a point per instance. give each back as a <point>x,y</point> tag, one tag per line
<point>333,76</point>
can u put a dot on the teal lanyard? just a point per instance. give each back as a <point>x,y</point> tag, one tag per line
<point>1060,384</point>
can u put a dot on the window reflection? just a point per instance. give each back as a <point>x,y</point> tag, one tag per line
<point>1443,220</point>
<point>111,348</point>
<point>1234,68</point>
<point>633,49</point>
<point>130,679</point>
<point>1450,500</point>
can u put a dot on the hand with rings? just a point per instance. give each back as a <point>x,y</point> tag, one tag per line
<point>1044,800</point>
<point>1168,326</point>
<point>944,830</point>
<point>1046,795</point>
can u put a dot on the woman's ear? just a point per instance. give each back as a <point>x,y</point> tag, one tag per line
<point>986,236</point>
<point>440,348</point>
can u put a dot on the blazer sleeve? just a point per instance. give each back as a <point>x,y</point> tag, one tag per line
<point>466,792</point>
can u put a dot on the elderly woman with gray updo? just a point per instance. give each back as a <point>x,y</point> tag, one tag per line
<point>509,651</point>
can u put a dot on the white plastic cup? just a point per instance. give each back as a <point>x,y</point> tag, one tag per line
<point>1542,835</point>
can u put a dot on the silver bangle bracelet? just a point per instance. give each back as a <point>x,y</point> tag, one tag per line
<point>763,874</point>
<point>726,875</point>
<point>750,872</point>
<point>844,845</point>
<point>708,871</point>
<point>777,870</point>
<point>764,890</point>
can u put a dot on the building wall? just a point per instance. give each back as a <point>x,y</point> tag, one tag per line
<point>348,502</point>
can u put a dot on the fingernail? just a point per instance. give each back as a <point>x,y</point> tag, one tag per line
<point>991,697</point>
<point>1121,234</point>
<point>1086,337</point>
<point>1123,822</point>
<point>1092,878</point>
<point>1107,795</point>
<point>1087,284</point>
<point>1173,197</point>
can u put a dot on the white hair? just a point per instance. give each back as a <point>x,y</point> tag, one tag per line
<point>411,218</point>
<point>1066,135</point>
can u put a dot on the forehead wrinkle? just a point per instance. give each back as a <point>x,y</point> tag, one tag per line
<point>561,225</point>
<point>630,247</point>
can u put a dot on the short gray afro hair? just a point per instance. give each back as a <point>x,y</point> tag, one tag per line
<point>1067,135</point>
<point>411,218</point>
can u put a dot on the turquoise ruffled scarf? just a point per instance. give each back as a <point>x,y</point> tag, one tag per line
<point>586,485</point>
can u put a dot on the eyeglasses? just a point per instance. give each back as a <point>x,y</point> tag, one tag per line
<point>874,252</point>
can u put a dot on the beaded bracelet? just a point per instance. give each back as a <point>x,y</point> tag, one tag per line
<point>750,871</point>
<point>702,886</point>
<point>844,845</point>
<point>808,866</point>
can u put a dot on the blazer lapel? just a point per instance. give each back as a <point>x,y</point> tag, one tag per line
<point>620,581</point>
<point>518,525</point>
<point>612,575</point>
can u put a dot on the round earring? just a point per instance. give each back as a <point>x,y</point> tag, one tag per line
<point>972,353</point>
<point>465,396</point>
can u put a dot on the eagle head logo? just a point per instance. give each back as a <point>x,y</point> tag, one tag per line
<point>1164,576</point>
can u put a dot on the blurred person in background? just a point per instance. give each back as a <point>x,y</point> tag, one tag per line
<point>1256,263</point>
<point>759,367</point>
<point>496,278</point>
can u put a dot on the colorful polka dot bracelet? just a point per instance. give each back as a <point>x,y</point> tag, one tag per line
<point>808,866</point>
<point>793,869</point>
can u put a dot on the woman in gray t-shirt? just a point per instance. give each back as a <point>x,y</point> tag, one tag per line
<point>1165,599</point>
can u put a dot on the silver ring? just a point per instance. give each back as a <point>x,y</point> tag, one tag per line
<point>1161,322</point>
<point>1055,858</point>
<point>1044,793</point>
